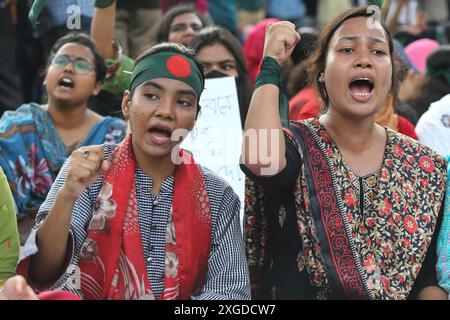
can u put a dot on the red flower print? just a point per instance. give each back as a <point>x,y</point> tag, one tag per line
<point>390,163</point>
<point>410,224</point>
<point>398,151</point>
<point>371,222</point>
<point>416,269</point>
<point>396,197</point>
<point>386,283</point>
<point>349,217</point>
<point>386,207</point>
<point>368,263</point>
<point>350,198</point>
<point>409,190</point>
<point>406,243</point>
<point>384,175</point>
<point>438,207</point>
<point>329,152</point>
<point>426,164</point>
<point>387,249</point>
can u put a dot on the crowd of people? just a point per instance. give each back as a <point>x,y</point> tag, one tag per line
<point>345,116</point>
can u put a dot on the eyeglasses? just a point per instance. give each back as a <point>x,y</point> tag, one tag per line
<point>81,66</point>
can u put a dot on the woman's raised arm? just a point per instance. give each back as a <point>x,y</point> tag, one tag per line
<point>263,149</point>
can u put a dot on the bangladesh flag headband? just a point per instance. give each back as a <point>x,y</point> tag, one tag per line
<point>168,65</point>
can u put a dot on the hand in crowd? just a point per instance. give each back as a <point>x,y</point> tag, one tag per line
<point>16,288</point>
<point>281,38</point>
<point>85,167</point>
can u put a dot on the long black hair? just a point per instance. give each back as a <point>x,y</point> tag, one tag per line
<point>162,35</point>
<point>217,35</point>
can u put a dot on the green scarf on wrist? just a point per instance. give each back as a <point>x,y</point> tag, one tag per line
<point>35,10</point>
<point>103,3</point>
<point>270,74</point>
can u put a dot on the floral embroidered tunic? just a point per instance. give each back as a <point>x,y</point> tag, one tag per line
<point>318,230</point>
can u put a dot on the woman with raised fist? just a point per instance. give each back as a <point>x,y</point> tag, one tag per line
<point>141,220</point>
<point>341,207</point>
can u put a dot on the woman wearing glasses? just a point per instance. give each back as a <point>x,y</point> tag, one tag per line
<point>36,139</point>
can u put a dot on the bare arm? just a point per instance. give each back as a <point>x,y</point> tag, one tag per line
<point>52,237</point>
<point>263,150</point>
<point>102,30</point>
<point>393,22</point>
<point>432,293</point>
<point>16,288</point>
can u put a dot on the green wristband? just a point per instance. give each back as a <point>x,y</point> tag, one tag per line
<point>103,3</point>
<point>35,10</point>
<point>270,74</point>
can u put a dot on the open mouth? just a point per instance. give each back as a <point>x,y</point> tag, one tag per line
<point>160,134</point>
<point>66,82</point>
<point>361,87</point>
<point>160,131</point>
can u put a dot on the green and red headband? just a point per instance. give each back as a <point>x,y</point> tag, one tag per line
<point>168,65</point>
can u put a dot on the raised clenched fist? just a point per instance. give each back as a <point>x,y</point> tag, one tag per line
<point>281,38</point>
<point>85,167</point>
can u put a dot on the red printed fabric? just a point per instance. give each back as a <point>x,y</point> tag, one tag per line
<point>112,260</point>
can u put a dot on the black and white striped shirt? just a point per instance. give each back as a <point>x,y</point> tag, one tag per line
<point>227,276</point>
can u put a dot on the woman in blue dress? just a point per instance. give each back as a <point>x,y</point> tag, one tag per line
<point>36,139</point>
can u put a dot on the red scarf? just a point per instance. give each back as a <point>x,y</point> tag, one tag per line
<point>112,259</point>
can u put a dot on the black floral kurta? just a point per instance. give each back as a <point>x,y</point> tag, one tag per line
<point>318,230</point>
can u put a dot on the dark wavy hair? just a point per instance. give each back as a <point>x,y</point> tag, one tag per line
<point>162,35</point>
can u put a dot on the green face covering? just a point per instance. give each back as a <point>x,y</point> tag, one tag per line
<point>168,65</point>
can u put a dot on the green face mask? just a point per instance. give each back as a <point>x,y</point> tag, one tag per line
<point>168,65</point>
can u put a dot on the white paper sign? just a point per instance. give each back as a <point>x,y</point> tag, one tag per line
<point>216,138</point>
